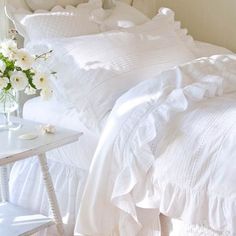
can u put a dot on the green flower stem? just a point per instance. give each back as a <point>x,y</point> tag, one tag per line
<point>43,55</point>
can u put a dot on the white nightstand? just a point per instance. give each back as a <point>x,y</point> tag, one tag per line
<point>15,220</point>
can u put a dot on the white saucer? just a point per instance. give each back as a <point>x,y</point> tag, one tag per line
<point>28,136</point>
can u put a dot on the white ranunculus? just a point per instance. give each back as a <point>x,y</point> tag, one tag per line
<point>23,59</point>
<point>30,91</point>
<point>46,93</point>
<point>8,48</point>
<point>2,66</point>
<point>3,82</point>
<point>40,80</point>
<point>18,80</point>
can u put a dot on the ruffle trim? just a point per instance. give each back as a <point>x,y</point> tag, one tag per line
<point>27,190</point>
<point>200,208</point>
<point>195,230</point>
<point>13,9</point>
<point>137,158</point>
<point>182,32</point>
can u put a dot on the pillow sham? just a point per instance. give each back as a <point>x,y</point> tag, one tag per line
<point>167,16</point>
<point>86,18</point>
<point>165,20</point>
<point>59,22</point>
<point>94,70</point>
<point>49,4</point>
<point>121,15</point>
<point>125,16</point>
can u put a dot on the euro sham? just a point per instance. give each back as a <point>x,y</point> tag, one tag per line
<point>49,4</point>
<point>120,16</point>
<point>58,22</point>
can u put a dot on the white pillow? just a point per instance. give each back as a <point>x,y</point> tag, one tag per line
<point>93,71</point>
<point>49,4</point>
<point>59,22</point>
<point>166,17</point>
<point>121,15</point>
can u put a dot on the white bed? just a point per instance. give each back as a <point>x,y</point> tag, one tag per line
<point>69,165</point>
<point>74,160</point>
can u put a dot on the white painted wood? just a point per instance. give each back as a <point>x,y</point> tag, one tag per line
<point>51,194</point>
<point>12,149</point>
<point>16,221</point>
<point>4,184</point>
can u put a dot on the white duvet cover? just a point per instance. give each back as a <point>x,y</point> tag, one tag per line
<point>69,165</point>
<point>169,147</point>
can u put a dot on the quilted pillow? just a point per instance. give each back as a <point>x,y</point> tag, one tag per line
<point>121,15</point>
<point>59,22</point>
<point>49,4</point>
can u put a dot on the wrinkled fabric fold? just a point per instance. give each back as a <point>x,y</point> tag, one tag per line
<point>140,138</point>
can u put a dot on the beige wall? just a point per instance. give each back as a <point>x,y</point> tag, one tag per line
<point>212,21</point>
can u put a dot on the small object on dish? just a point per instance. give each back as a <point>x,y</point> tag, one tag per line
<point>28,136</point>
<point>47,129</point>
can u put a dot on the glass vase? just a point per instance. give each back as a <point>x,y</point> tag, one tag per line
<point>8,104</point>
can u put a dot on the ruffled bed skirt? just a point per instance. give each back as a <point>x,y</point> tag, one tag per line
<point>27,190</point>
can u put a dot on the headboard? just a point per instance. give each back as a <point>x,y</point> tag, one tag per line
<point>211,21</point>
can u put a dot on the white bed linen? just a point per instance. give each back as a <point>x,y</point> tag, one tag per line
<point>58,22</point>
<point>169,147</point>
<point>93,71</point>
<point>49,4</point>
<point>174,227</point>
<point>68,165</point>
<point>120,16</point>
<point>68,21</point>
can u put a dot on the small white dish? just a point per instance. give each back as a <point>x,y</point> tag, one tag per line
<point>28,136</point>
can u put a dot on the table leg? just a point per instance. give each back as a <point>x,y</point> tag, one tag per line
<point>51,193</point>
<point>4,183</point>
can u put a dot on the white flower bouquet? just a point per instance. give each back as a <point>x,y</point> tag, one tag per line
<point>18,71</point>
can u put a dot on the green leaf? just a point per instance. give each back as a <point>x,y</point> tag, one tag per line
<point>8,87</point>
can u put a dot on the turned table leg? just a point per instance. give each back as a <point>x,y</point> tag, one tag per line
<point>51,193</point>
<point>4,183</point>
